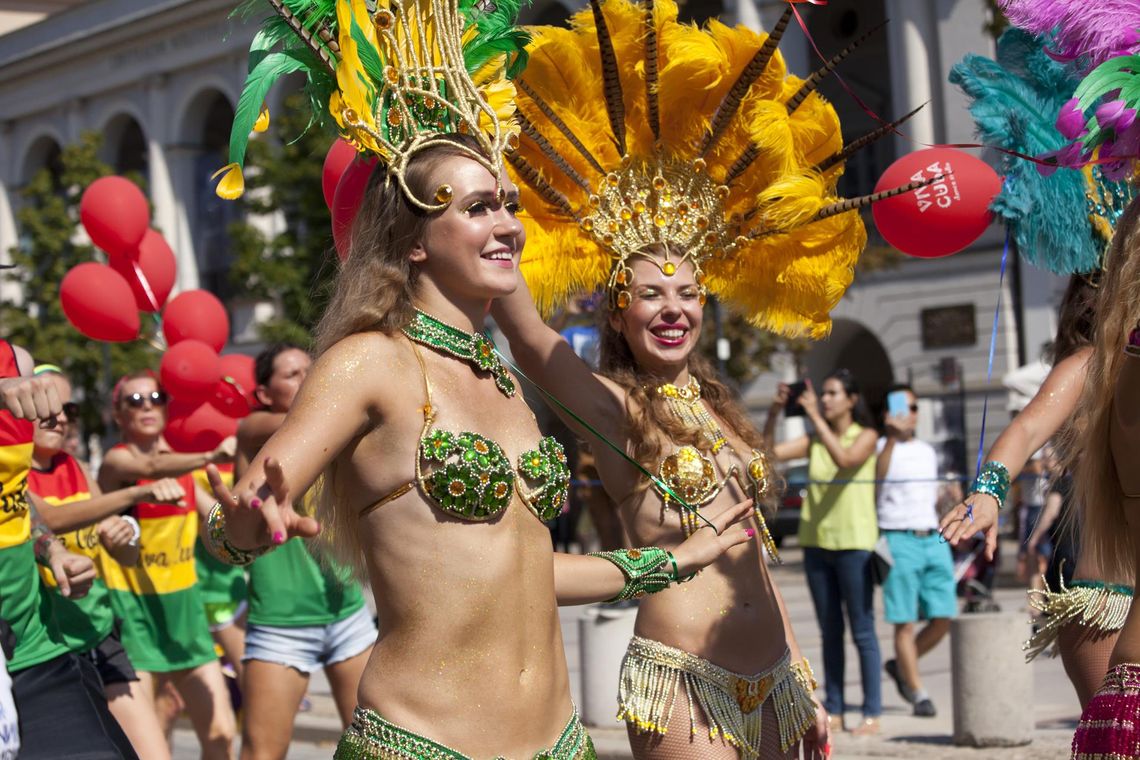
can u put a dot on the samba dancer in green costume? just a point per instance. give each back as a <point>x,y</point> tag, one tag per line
<point>413,426</point>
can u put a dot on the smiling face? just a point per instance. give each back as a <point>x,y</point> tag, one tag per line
<point>471,249</point>
<point>137,414</point>
<point>48,441</point>
<point>662,323</point>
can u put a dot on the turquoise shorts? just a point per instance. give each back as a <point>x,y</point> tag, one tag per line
<point>920,585</point>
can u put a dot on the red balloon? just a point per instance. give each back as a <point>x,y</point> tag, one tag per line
<point>233,395</point>
<point>196,315</point>
<point>155,263</point>
<point>941,218</point>
<point>201,428</point>
<point>340,155</point>
<point>115,214</point>
<point>190,371</point>
<point>241,368</point>
<point>98,303</point>
<point>346,201</point>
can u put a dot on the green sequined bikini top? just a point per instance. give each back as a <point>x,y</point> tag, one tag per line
<point>470,476</point>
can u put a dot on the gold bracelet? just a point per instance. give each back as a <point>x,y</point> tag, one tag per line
<point>220,545</point>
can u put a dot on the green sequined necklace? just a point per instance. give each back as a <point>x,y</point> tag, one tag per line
<point>471,347</point>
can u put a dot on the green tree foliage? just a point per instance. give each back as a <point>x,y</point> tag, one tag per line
<point>295,267</point>
<point>50,244</point>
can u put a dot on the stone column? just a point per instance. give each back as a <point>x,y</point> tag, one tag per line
<point>991,682</point>
<point>912,42</point>
<point>8,181</point>
<point>168,186</point>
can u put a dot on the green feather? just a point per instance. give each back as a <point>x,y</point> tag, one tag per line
<point>272,67</point>
<point>369,56</point>
<point>496,34</point>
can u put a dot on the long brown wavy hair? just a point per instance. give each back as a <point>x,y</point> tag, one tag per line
<point>651,422</point>
<point>374,292</point>
<point>1086,446</point>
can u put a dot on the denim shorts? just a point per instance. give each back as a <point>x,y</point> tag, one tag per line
<point>921,583</point>
<point>313,646</point>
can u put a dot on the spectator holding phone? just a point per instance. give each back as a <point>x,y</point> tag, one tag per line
<point>920,585</point>
<point>838,530</point>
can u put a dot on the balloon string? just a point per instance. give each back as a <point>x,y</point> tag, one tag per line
<point>150,296</point>
<point>1050,163</point>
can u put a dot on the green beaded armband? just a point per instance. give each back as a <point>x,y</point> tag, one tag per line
<point>993,481</point>
<point>220,546</point>
<point>646,571</point>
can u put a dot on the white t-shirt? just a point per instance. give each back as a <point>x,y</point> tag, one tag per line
<point>910,503</point>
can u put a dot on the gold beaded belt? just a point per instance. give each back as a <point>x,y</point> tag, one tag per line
<point>730,702</point>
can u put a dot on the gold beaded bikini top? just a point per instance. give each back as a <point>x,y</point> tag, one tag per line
<point>472,479</point>
<point>693,476</point>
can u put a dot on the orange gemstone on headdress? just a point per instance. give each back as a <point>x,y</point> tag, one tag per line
<point>595,200</point>
<point>710,238</point>
<point>626,213</point>
<point>660,220</point>
<point>621,278</point>
<point>722,192</point>
<point>623,299</point>
<point>658,182</point>
<point>608,239</point>
<point>394,117</point>
<point>464,128</point>
<point>613,226</point>
<point>669,269</point>
<point>391,75</point>
<point>349,115</point>
<point>741,240</point>
<point>639,207</point>
<point>444,194</point>
<point>699,165</point>
<point>587,224</point>
<point>383,20</point>
<point>702,222</point>
<point>682,208</point>
<point>613,178</point>
<point>704,297</point>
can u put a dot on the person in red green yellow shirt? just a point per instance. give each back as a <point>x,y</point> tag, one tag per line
<point>48,680</point>
<point>90,523</point>
<point>164,630</point>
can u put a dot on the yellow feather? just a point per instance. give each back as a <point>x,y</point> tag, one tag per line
<point>786,282</point>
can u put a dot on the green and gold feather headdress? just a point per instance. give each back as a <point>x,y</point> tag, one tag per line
<point>393,76</point>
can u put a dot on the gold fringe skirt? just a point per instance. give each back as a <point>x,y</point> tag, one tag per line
<point>1093,604</point>
<point>652,673</point>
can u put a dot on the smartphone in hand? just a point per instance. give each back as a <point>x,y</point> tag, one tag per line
<point>898,405</point>
<point>793,408</point>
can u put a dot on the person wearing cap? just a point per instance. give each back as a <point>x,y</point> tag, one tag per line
<point>164,631</point>
<point>89,522</point>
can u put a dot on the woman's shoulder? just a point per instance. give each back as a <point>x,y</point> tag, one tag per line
<point>360,354</point>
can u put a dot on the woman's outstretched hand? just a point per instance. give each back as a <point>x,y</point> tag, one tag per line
<point>976,514</point>
<point>706,545</point>
<point>817,740</point>
<point>261,515</point>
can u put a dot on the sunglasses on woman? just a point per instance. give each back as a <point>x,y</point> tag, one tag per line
<point>71,411</point>
<point>138,400</point>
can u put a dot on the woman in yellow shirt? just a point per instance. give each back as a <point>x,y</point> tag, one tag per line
<point>838,530</point>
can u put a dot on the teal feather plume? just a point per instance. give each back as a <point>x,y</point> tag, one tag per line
<point>1014,101</point>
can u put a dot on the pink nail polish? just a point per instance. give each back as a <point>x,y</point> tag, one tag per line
<point>278,538</point>
<point>749,532</point>
<point>255,503</point>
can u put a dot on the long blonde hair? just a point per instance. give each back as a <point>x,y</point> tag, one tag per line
<point>649,418</point>
<point>1085,446</point>
<point>374,292</point>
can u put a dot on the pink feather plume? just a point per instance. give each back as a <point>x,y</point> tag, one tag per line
<point>1099,30</point>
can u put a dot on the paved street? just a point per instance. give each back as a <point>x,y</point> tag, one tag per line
<point>1056,708</point>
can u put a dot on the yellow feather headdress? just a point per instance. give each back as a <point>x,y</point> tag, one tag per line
<point>394,76</point>
<point>639,131</point>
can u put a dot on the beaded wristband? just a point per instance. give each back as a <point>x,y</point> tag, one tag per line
<point>644,570</point>
<point>993,481</point>
<point>220,546</point>
<point>804,674</point>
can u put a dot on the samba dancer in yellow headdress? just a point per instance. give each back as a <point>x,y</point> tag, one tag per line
<point>435,481</point>
<point>666,162</point>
